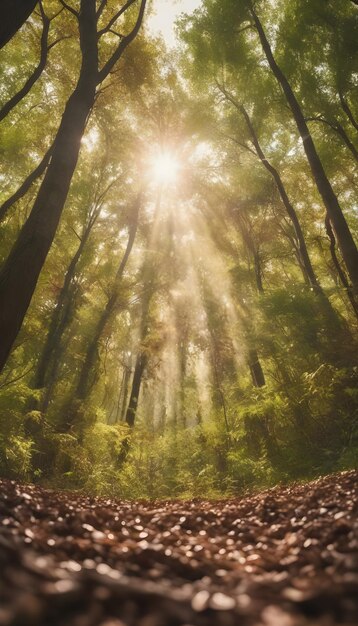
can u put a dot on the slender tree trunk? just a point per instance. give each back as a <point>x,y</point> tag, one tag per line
<point>141,359</point>
<point>257,374</point>
<point>182,369</point>
<point>23,189</point>
<point>86,380</point>
<point>131,411</point>
<point>218,387</point>
<point>13,14</point>
<point>346,242</point>
<point>291,212</point>
<point>306,261</point>
<point>120,404</point>
<point>337,265</point>
<point>346,108</point>
<point>253,360</point>
<point>121,415</point>
<point>84,384</point>
<point>59,348</point>
<point>253,250</point>
<point>11,104</point>
<point>342,133</point>
<point>60,317</point>
<point>295,245</point>
<point>337,128</point>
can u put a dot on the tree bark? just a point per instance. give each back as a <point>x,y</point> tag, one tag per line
<point>13,14</point>
<point>131,411</point>
<point>257,374</point>
<point>344,236</point>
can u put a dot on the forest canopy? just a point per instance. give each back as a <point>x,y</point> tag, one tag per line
<point>179,269</point>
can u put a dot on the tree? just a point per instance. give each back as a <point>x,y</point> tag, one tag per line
<point>229,17</point>
<point>334,211</point>
<point>19,275</point>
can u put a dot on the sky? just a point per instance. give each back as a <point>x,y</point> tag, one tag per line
<point>166,13</point>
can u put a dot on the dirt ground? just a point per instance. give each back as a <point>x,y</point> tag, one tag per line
<point>287,556</point>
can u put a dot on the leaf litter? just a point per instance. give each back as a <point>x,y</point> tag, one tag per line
<point>287,556</point>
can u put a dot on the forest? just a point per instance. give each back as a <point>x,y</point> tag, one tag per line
<point>179,272</point>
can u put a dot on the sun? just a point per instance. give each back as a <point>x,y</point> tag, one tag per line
<point>165,168</point>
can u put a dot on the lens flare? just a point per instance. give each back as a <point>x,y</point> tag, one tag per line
<point>165,168</point>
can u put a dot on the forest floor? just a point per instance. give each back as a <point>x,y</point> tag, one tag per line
<point>287,556</point>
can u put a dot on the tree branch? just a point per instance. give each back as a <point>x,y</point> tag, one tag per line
<point>101,9</point>
<point>107,68</point>
<point>115,17</point>
<point>69,8</point>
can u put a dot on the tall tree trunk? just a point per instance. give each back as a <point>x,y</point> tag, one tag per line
<point>337,128</point>
<point>257,374</point>
<point>346,242</point>
<point>86,381</point>
<point>88,366</point>
<point>348,111</point>
<point>13,14</point>
<point>306,261</point>
<point>58,349</point>
<point>131,411</point>
<point>142,356</point>
<point>252,357</point>
<point>342,133</point>
<point>122,409</point>
<point>337,265</point>
<point>19,275</point>
<point>291,212</point>
<point>120,406</point>
<point>59,320</point>
<point>253,250</point>
<point>182,372</point>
